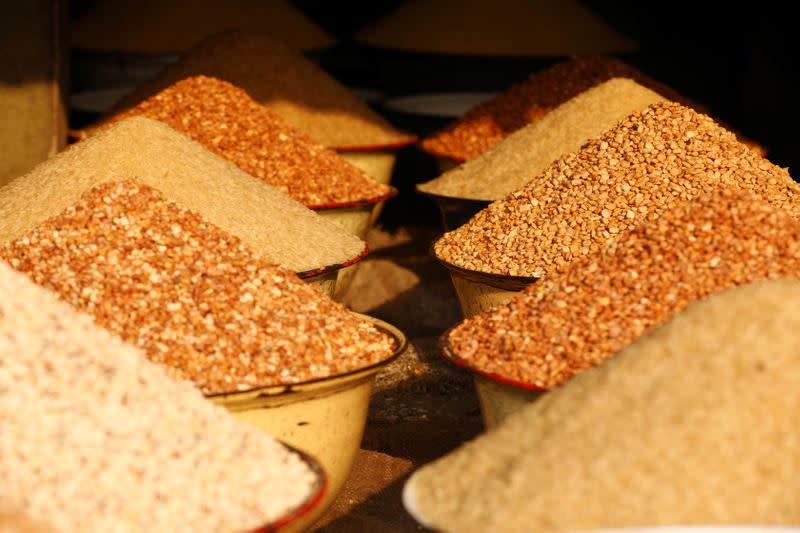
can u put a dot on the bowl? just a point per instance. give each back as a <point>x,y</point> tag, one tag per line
<point>324,417</point>
<point>479,292</point>
<point>456,211</point>
<point>324,279</point>
<point>290,522</point>
<point>498,396</point>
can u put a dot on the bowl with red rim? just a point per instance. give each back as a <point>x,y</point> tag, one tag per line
<point>376,160</point>
<point>498,395</point>
<point>293,520</point>
<point>325,278</point>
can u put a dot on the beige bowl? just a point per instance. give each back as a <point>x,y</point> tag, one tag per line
<point>498,396</point>
<point>324,417</point>
<point>479,292</point>
<point>325,279</point>
<point>379,164</point>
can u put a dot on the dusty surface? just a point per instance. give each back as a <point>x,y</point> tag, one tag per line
<point>422,406</point>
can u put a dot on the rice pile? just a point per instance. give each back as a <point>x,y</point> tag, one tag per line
<point>226,121</point>
<point>284,82</point>
<point>694,424</point>
<point>502,27</point>
<point>492,121</point>
<point>192,296</point>
<point>270,222</point>
<point>95,438</point>
<point>583,315</point>
<point>172,26</point>
<point>528,152</point>
<point>653,160</point>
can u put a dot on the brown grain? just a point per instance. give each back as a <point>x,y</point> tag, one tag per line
<point>191,296</point>
<point>580,317</point>
<point>651,161</point>
<point>226,121</point>
<point>284,82</point>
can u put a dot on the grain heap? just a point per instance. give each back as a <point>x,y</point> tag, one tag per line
<point>595,307</point>
<point>172,26</point>
<point>192,296</point>
<point>284,82</point>
<point>226,121</point>
<point>490,122</point>
<point>528,152</point>
<point>502,28</point>
<point>651,161</point>
<point>271,223</point>
<point>95,438</point>
<point>660,435</point>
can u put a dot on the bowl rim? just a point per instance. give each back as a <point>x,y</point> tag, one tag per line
<point>355,203</point>
<point>309,504</point>
<point>498,281</point>
<point>407,140</point>
<point>308,274</point>
<point>449,354</point>
<point>454,199</point>
<point>401,343</point>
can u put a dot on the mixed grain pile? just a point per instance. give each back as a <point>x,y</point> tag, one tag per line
<point>651,161</point>
<point>226,121</point>
<point>191,296</point>
<point>525,154</point>
<point>524,28</point>
<point>95,438</point>
<point>694,424</point>
<point>595,307</point>
<point>284,82</point>
<point>155,27</point>
<point>270,222</point>
<point>490,122</point>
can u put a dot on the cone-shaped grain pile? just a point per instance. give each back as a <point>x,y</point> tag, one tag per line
<point>528,152</point>
<point>138,148</point>
<point>695,424</point>
<point>284,82</point>
<point>194,297</point>
<point>653,160</point>
<point>226,121</point>
<point>498,28</point>
<point>95,438</point>
<point>490,122</point>
<point>597,306</point>
<point>173,26</point>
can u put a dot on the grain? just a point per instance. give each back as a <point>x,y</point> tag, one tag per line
<point>226,121</point>
<point>595,307</point>
<point>95,438</point>
<point>284,82</point>
<point>693,425</point>
<point>526,153</point>
<point>651,161</point>
<point>503,28</point>
<point>270,222</point>
<point>492,121</point>
<point>158,27</point>
<point>191,296</point>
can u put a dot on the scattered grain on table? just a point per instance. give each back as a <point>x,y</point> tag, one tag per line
<point>95,438</point>
<point>284,82</point>
<point>597,306</point>
<point>191,296</point>
<point>653,160</point>
<point>528,152</point>
<point>695,424</point>
<point>158,28</point>
<point>226,121</point>
<point>139,148</point>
